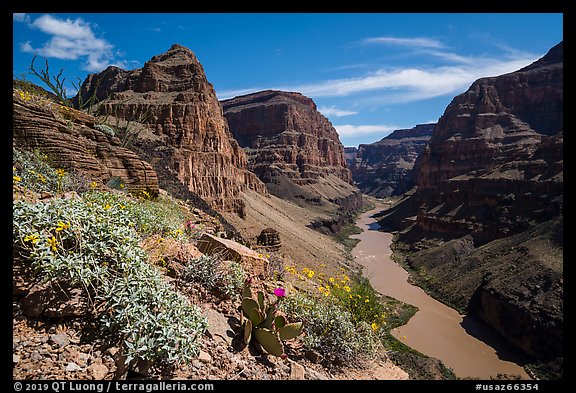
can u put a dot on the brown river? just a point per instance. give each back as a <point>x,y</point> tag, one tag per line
<point>436,330</point>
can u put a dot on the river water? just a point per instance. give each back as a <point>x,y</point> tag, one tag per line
<point>436,330</point>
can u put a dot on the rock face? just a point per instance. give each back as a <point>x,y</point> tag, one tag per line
<point>71,140</point>
<point>172,96</point>
<point>283,133</point>
<point>492,173</point>
<point>294,150</point>
<point>384,168</point>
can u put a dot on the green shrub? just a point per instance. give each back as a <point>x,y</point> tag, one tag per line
<point>215,274</point>
<point>162,216</point>
<point>92,243</point>
<point>329,328</point>
<point>354,294</point>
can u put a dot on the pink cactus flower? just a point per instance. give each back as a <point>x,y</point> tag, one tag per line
<point>280,292</point>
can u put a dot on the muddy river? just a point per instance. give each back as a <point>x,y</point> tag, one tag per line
<point>435,330</point>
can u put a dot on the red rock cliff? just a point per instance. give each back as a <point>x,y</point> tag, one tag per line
<point>283,132</point>
<point>172,96</point>
<point>71,140</point>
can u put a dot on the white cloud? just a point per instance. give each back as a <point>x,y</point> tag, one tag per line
<point>333,111</point>
<point>73,29</point>
<point>21,17</point>
<point>349,130</point>
<point>413,84</point>
<point>72,40</point>
<point>402,85</point>
<point>419,42</point>
<point>26,47</point>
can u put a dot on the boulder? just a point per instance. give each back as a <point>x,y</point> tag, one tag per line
<point>269,238</point>
<point>254,263</point>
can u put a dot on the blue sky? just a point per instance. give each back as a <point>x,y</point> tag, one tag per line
<point>368,73</point>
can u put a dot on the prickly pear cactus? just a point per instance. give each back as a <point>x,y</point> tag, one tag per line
<point>260,321</point>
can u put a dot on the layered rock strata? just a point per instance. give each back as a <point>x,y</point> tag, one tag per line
<point>383,168</point>
<point>73,142</point>
<point>284,134</point>
<point>172,96</point>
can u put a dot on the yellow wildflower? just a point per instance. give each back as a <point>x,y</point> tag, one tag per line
<point>16,178</point>
<point>309,272</point>
<point>366,300</point>
<point>107,207</point>
<point>53,243</point>
<point>62,226</point>
<point>93,185</point>
<point>121,185</point>
<point>41,178</point>
<point>33,238</point>
<point>374,326</point>
<point>60,172</point>
<point>347,288</point>
<point>332,279</point>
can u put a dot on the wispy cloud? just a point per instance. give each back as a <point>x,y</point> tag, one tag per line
<point>72,40</point>
<point>336,112</point>
<point>402,85</point>
<point>349,130</point>
<point>418,42</point>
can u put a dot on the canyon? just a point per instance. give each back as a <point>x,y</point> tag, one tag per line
<point>483,228</point>
<point>383,168</point>
<point>297,153</point>
<point>478,211</point>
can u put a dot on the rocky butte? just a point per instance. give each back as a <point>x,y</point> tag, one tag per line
<point>294,150</point>
<point>484,227</point>
<point>384,168</point>
<point>188,141</point>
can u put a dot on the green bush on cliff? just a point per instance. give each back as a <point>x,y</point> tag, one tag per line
<point>92,243</point>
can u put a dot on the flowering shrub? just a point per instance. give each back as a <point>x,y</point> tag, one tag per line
<point>329,327</point>
<point>33,171</point>
<point>356,295</point>
<point>92,243</point>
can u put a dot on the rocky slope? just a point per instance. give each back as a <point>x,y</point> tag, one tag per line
<point>295,151</point>
<point>191,140</point>
<point>73,142</point>
<point>384,168</point>
<point>490,188</point>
